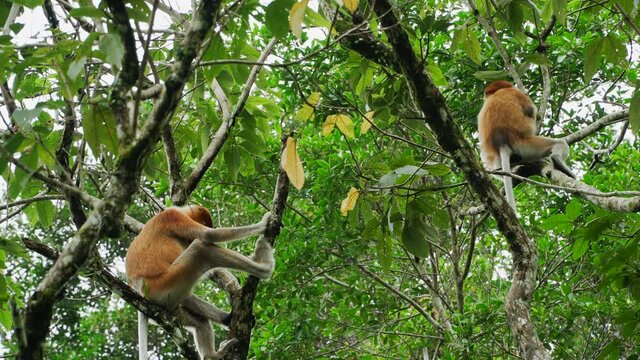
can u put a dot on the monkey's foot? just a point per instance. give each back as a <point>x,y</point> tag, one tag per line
<point>225,346</point>
<point>559,165</point>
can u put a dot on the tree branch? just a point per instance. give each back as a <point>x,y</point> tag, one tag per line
<point>493,34</point>
<point>242,318</point>
<point>165,318</point>
<point>107,215</point>
<point>431,102</point>
<point>596,126</point>
<point>219,138</point>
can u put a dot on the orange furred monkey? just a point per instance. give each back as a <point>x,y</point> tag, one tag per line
<point>170,255</point>
<point>507,129</point>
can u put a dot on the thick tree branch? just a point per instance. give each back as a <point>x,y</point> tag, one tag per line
<point>129,73</point>
<point>363,42</point>
<point>431,102</point>
<point>604,200</point>
<point>596,126</point>
<point>106,217</point>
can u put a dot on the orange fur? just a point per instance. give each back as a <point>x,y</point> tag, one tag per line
<point>158,245</point>
<point>174,250</point>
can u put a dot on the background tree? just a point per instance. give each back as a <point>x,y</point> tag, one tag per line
<point>396,244</point>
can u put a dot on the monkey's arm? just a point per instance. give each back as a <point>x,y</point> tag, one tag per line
<point>183,227</point>
<point>230,234</point>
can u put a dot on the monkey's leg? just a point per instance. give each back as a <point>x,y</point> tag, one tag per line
<point>205,337</point>
<point>537,147</point>
<point>230,259</point>
<point>197,306</point>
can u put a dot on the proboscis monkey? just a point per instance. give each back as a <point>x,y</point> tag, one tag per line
<point>507,129</point>
<point>173,251</point>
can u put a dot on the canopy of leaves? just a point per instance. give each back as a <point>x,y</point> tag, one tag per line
<point>376,196</point>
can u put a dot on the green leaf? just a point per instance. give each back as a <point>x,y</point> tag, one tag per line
<point>414,232</point>
<point>614,49</point>
<point>573,209</point>
<point>13,247</point>
<point>24,119</point>
<point>559,222</point>
<point>436,74</point>
<point>491,75</point>
<point>113,49</point>
<point>99,126</point>
<point>21,178</point>
<point>634,112</point>
<point>538,59</point>
<point>277,18</point>
<point>559,8</point>
<point>592,55</point>
<point>233,159</point>
<point>313,19</point>
<point>31,4</point>
<point>76,67</point>
<point>515,16</point>
<point>579,248</point>
<point>466,39</point>
<point>611,351</point>
<point>46,213</point>
<point>385,252</point>
<point>436,169</point>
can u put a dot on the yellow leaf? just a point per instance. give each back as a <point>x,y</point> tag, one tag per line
<point>305,113</point>
<point>367,122</point>
<point>292,165</point>
<point>295,17</point>
<point>344,123</point>
<point>349,203</point>
<point>314,98</point>
<point>328,125</point>
<point>351,5</point>
<point>308,108</point>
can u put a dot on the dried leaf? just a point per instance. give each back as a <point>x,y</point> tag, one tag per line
<point>367,122</point>
<point>296,16</point>
<point>344,123</point>
<point>292,164</point>
<point>351,5</point>
<point>349,203</point>
<point>328,125</point>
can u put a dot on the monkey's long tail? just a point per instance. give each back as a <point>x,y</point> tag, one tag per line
<point>505,156</point>
<point>143,329</point>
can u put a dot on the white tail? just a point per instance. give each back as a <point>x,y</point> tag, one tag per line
<point>505,155</point>
<point>143,329</point>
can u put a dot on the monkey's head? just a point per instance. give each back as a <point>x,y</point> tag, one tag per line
<point>495,86</point>
<point>199,214</point>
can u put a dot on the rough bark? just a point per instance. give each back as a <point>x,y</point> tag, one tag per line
<point>431,102</point>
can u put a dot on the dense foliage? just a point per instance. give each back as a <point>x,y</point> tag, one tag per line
<point>385,252</point>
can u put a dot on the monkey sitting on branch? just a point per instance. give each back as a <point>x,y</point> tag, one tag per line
<point>507,129</point>
<point>174,250</point>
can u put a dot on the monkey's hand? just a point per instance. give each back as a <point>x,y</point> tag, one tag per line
<point>265,220</point>
<point>264,255</point>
